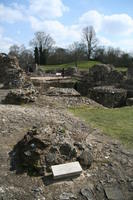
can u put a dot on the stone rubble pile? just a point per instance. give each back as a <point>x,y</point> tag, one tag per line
<point>37,151</point>
<point>13,77</point>
<point>21,96</point>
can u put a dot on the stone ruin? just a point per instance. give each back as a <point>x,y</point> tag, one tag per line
<point>21,96</point>
<point>13,77</point>
<point>103,84</point>
<point>128,85</point>
<point>101,75</point>
<point>108,96</point>
<point>129,101</point>
<point>130,73</point>
<point>67,92</point>
<point>39,150</point>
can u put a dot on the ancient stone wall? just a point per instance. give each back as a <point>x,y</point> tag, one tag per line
<point>99,75</point>
<point>102,74</point>
<point>13,77</point>
<point>108,96</point>
<point>130,73</point>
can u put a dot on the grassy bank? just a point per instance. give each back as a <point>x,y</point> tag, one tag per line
<point>121,69</point>
<point>117,123</point>
<point>82,65</point>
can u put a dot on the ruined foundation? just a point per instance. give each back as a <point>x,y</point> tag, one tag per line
<point>108,96</point>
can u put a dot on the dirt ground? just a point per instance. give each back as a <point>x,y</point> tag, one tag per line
<point>110,177</point>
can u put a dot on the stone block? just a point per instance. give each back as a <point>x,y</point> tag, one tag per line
<point>66,170</point>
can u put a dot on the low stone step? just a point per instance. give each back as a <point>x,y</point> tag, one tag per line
<point>66,170</point>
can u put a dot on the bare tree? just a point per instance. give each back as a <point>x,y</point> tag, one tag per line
<point>25,56</point>
<point>90,40</point>
<point>14,50</point>
<point>42,39</point>
<point>26,60</point>
<point>43,43</point>
<point>77,50</point>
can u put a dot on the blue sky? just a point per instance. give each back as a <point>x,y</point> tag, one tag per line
<point>64,21</point>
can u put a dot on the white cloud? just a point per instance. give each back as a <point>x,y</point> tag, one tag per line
<point>93,18</point>
<point>105,42</point>
<point>5,43</point>
<point>10,14</point>
<point>126,44</point>
<point>43,16</point>
<point>120,24</point>
<point>63,35</point>
<point>39,14</point>
<point>1,30</point>
<point>42,9</point>
<point>47,9</point>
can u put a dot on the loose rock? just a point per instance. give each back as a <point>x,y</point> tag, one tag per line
<point>87,193</point>
<point>67,196</point>
<point>113,193</point>
<point>86,158</point>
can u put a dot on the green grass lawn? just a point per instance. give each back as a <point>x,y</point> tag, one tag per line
<point>82,65</point>
<point>117,123</point>
<point>121,69</point>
